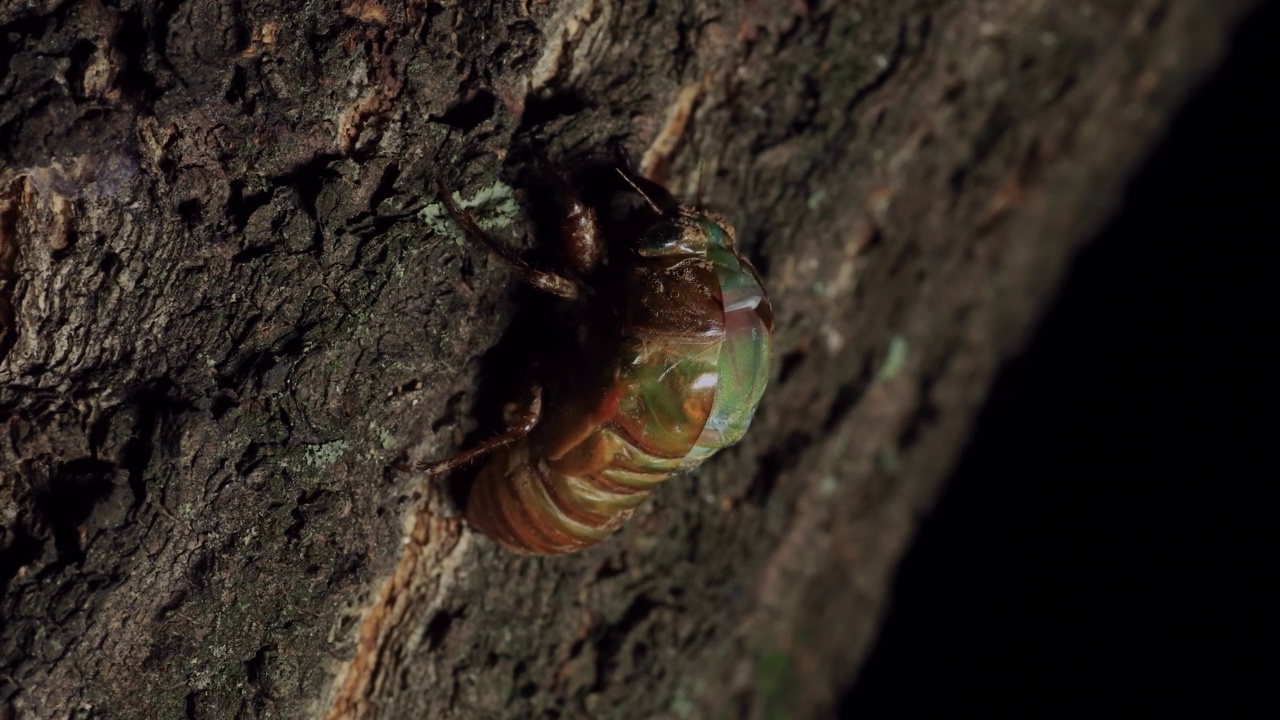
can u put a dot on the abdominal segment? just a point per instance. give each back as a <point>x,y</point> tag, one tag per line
<point>529,507</point>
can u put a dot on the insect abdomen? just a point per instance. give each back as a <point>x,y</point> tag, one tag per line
<point>529,507</point>
<point>546,499</point>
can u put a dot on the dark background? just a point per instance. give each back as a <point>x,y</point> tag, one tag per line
<point>1099,547</point>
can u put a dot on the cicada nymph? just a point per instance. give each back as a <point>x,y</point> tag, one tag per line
<point>672,375</point>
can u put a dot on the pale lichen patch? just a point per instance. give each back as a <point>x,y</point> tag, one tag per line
<point>493,206</point>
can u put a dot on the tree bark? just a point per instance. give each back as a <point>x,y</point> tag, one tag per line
<point>228,304</point>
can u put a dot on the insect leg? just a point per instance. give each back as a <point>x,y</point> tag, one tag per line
<point>518,431</point>
<point>549,282</point>
<point>580,230</point>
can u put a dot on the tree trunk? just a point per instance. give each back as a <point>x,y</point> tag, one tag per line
<point>228,303</point>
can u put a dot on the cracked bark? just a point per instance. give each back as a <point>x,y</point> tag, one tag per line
<point>222,315</point>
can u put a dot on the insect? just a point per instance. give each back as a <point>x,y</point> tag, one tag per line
<point>667,369</point>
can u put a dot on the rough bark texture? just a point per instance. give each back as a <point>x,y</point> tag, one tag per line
<point>226,307</point>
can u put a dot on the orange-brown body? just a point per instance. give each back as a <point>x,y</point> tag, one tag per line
<point>683,370</point>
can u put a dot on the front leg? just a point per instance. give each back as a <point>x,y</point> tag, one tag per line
<point>518,430</point>
<point>580,229</point>
<point>545,281</point>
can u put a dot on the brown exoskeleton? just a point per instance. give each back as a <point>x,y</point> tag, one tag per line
<point>672,374</point>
